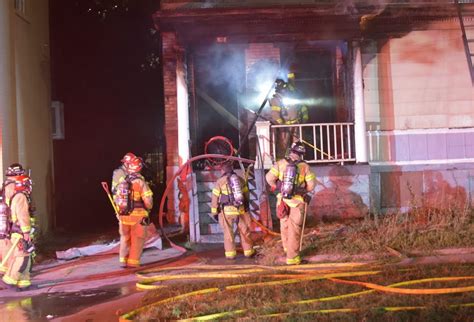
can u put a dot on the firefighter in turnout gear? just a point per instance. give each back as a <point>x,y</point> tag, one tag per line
<point>295,182</point>
<point>229,204</point>
<point>134,199</point>
<point>287,110</point>
<point>17,191</point>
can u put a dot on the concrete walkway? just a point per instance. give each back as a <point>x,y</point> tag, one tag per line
<point>87,273</point>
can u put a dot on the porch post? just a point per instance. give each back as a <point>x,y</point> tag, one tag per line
<point>183,112</point>
<point>8,136</point>
<point>264,156</point>
<point>359,114</point>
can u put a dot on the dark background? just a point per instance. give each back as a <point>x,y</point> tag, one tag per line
<point>112,101</point>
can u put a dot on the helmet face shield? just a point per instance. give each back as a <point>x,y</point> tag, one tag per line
<point>298,148</point>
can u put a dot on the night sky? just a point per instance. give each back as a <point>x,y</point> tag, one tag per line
<point>112,104</point>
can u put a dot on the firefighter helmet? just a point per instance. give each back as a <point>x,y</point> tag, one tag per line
<point>280,85</point>
<point>128,157</point>
<point>298,148</point>
<point>15,169</point>
<point>134,165</point>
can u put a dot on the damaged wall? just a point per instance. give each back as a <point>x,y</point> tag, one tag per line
<point>419,97</point>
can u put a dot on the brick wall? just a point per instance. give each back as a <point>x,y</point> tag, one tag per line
<point>256,52</point>
<point>171,50</point>
<point>171,117</point>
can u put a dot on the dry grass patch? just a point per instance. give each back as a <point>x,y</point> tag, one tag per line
<point>422,229</point>
<point>284,299</point>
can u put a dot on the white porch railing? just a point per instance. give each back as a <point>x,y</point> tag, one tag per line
<point>325,142</point>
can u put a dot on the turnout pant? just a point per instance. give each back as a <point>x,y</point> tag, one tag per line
<point>19,266</point>
<point>243,226</point>
<point>133,234</point>
<point>290,228</point>
<point>5,246</point>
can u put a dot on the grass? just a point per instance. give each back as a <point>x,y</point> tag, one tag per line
<point>259,301</point>
<point>422,229</point>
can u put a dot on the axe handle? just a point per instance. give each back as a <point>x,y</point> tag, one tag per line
<point>107,191</point>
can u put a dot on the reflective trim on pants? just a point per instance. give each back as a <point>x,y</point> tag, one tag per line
<point>293,261</point>
<point>231,254</point>
<point>249,252</point>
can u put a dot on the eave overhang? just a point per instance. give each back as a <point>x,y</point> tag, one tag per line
<point>298,22</point>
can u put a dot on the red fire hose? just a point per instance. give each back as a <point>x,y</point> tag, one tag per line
<point>170,182</point>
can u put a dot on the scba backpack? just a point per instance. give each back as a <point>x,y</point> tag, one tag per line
<point>124,195</point>
<point>5,218</point>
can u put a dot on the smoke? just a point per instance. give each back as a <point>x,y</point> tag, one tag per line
<point>223,66</point>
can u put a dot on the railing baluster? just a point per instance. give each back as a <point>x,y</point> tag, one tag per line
<point>349,140</point>
<point>314,142</point>
<point>273,130</point>
<point>335,141</point>
<point>321,145</point>
<point>341,140</point>
<point>328,141</point>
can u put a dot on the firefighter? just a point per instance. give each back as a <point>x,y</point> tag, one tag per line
<point>229,206</point>
<point>287,109</point>
<point>120,173</point>
<point>133,208</point>
<point>17,196</point>
<point>295,182</point>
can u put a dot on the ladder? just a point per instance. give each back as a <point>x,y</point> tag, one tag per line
<point>467,35</point>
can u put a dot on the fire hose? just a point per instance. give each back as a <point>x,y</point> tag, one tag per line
<point>169,185</point>
<point>293,275</point>
<point>308,276</point>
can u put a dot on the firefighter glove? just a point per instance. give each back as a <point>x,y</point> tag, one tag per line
<point>276,187</point>
<point>307,197</point>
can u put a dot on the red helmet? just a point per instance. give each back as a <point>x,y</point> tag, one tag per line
<point>128,157</point>
<point>23,183</point>
<point>135,165</point>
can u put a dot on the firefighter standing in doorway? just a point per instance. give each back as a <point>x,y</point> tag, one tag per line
<point>287,109</point>
<point>134,199</point>
<point>229,204</point>
<point>295,182</point>
<point>17,192</point>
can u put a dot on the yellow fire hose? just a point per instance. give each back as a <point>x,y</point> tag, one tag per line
<point>351,310</point>
<point>146,282</point>
<point>245,271</point>
<point>337,297</point>
<point>415,291</point>
<point>305,277</point>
